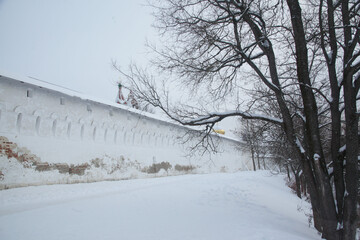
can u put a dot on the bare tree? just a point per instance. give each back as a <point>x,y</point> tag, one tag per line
<point>253,134</point>
<point>299,51</point>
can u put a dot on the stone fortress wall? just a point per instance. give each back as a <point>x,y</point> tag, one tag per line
<point>50,135</point>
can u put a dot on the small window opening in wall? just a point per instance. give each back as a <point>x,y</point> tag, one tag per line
<point>62,101</point>
<point>88,108</point>
<point>111,113</point>
<point>29,93</point>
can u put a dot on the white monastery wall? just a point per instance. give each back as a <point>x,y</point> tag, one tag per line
<point>49,135</point>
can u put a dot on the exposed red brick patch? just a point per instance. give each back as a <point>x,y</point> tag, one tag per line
<point>11,150</point>
<point>29,160</point>
<point>78,169</point>
<point>62,167</point>
<point>43,167</point>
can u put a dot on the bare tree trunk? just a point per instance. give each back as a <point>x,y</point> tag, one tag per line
<point>297,182</point>
<point>264,162</point>
<point>351,177</point>
<point>352,142</point>
<point>253,158</point>
<point>334,104</point>
<point>315,151</point>
<point>314,195</point>
<point>303,185</point>
<point>288,172</point>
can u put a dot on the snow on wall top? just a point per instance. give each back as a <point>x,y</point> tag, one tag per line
<point>42,84</point>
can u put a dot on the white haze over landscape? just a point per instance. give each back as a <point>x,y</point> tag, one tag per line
<point>72,44</point>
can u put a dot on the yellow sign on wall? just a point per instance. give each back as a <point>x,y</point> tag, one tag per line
<point>219,131</point>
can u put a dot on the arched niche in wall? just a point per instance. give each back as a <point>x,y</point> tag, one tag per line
<point>147,139</point>
<point>43,123</point>
<point>81,123</point>
<point>163,140</point>
<point>19,110</point>
<point>135,136</point>
<point>110,135</point>
<point>133,139</point>
<point>98,132</point>
<point>25,123</point>
<point>68,131</point>
<point>167,140</point>
<point>156,140</point>
<point>69,120</point>
<point>94,134</point>
<point>174,141</point>
<point>54,125</point>
<point>142,137</point>
<point>108,132</point>
<point>159,140</point>
<point>138,137</point>
<point>41,117</point>
<point>127,136</point>
<point>82,131</point>
<point>37,124</point>
<point>117,134</point>
<point>18,122</point>
<point>87,129</point>
<point>124,138</point>
<point>152,139</point>
<point>59,126</point>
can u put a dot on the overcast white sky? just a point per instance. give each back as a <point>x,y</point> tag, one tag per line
<point>72,42</point>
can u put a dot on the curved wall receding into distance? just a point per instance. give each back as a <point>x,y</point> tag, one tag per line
<point>51,135</point>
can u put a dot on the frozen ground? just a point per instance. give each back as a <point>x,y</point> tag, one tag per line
<point>244,205</point>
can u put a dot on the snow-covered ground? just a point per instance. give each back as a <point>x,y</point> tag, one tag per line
<point>243,205</point>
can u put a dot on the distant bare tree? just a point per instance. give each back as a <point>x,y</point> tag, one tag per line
<point>253,134</point>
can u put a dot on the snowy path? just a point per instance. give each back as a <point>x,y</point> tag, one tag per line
<point>243,205</point>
